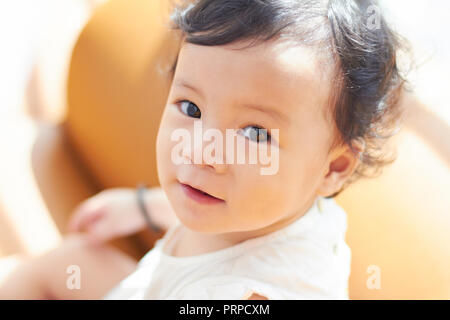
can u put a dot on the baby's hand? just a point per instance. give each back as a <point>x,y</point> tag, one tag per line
<point>115,213</point>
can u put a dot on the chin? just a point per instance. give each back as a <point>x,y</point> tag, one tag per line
<point>198,221</point>
<point>200,227</point>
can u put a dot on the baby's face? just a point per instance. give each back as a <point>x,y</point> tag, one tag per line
<point>268,86</point>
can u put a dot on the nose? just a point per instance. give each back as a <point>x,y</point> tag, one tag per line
<point>212,159</point>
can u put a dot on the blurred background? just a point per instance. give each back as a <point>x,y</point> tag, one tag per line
<point>82,89</point>
<point>38,38</point>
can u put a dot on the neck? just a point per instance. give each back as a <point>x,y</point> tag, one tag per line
<point>224,240</point>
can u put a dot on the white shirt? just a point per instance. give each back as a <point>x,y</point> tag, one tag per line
<point>307,259</point>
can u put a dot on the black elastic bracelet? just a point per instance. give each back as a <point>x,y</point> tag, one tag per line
<point>140,199</point>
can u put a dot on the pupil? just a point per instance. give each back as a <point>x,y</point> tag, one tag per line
<point>192,110</point>
<point>258,135</point>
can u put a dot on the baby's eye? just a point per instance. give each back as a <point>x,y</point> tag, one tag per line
<point>190,109</point>
<point>256,134</point>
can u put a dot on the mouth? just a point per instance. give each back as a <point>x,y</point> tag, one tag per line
<point>199,195</point>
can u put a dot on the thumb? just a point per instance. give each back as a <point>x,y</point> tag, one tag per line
<point>83,216</point>
<point>76,218</point>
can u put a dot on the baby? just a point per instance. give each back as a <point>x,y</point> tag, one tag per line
<point>321,73</point>
<point>313,83</point>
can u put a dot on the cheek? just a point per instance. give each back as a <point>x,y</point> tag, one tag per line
<point>164,146</point>
<point>306,153</point>
<point>264,199</point>
<point>306,167</point>
<point>275,196</point>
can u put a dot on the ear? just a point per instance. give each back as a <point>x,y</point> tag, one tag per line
<point>341,165</point>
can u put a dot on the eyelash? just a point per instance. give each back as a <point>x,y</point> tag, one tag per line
<point>267,134</point>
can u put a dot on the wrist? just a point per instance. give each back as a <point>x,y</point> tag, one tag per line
<point>143,198</point>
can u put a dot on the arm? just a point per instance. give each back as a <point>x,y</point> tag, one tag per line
<point>115,213</point>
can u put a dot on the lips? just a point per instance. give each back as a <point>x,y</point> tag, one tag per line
<point>199,195</point>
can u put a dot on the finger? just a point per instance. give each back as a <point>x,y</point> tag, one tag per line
<point>75,219</point>
<point>83,215</point>
<point>78,217</point>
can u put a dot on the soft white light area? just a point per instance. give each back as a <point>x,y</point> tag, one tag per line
<point>21,200</point>
<point>19,41</point>
<point>42,33</point>
<point>426,24</point>
<point>7,266</point>
<point>33,33</point>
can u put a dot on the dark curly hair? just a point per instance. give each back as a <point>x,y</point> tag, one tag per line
<point>353,34</point>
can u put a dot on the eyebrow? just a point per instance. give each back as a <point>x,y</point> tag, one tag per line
<point>182,83</point>
<point>268,110</point>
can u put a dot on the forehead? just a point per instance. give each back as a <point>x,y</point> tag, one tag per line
<point>273,73</point>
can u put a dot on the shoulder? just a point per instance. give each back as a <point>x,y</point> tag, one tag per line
<point>314,262</point>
